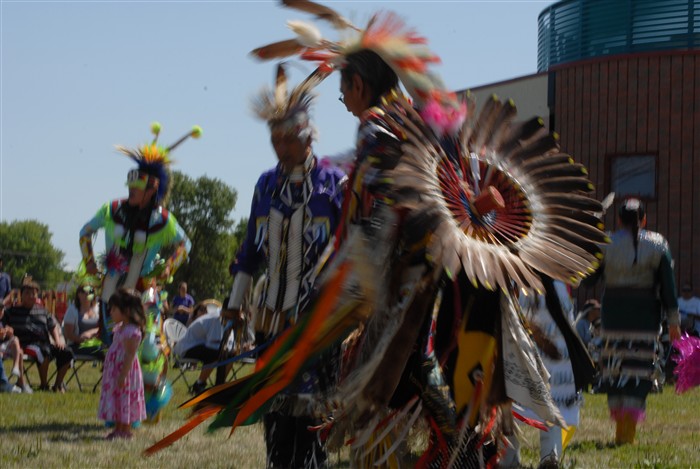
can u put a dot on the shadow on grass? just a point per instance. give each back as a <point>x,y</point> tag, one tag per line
<point>60,431</point>
<point>587,445</point>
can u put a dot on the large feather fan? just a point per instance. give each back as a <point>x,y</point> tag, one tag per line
<point>508,205</point>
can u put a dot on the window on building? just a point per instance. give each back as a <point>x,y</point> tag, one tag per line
<point>633,175</point>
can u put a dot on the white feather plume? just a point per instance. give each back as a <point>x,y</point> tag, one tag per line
<point>308,35</point>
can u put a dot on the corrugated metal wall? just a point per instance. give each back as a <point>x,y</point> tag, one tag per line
<point>574,30</point>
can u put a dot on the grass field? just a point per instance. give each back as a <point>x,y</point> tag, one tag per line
<point>47,430</point>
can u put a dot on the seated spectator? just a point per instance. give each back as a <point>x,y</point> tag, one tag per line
<point>81,322</point>
<point>689,309</point>
<point>5,283</point>
<point>35,328</point>
<point>5,385</point>
<point>182,303</point>
<point>9,347</point>
<point>12,298</point>
<point>201,342</point>
<point>584,323</point>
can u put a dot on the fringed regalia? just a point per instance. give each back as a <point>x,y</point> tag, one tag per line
<point>635,297</point>
<point>292,219</point>
<point>439,265</point>
<point>445,221</point>
<point>554,352</point>
<point>133,239</point>
<point>553,349</point>
<point>135,236</point>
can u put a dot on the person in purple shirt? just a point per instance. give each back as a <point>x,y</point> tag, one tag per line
<point>182,304</point>
<point>295,211</point>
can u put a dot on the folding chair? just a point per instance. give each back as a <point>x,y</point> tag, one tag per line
<point>239,365</point>
<point>78,362</point>
<point>235,342</point>
<point>174,331</point>
<point>30,361</point>
<point>5,355</point>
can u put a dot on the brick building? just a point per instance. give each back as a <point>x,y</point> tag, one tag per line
<point>620,82</point>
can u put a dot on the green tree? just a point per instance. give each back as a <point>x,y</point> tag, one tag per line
<point>238,236</point>
<point>26,248</point>
<point>203,208</point>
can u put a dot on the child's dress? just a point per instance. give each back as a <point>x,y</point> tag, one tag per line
<point>122,404</point>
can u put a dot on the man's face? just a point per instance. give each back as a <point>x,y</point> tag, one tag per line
<point>139,192</point>
<point>687,293</point>
<point>183,290</point>
<point>290,150</point>
<point>594,314</point>
<point>351,95</point>
<point>29,297</point>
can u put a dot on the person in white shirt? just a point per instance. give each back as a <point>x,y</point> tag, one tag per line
<point>81,322</point>
<point>201,342</point>
<point>689,308</point>
<point>562,385</point>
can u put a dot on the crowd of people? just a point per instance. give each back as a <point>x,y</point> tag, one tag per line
<point>381,300</point>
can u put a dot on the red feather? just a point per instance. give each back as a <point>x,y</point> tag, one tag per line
<point>200,417</point>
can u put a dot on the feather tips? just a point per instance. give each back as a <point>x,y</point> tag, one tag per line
<point>280,87</point>
<point>321,12</point>
<point>548,225</point>
<point>278,105</point>
<point>278,50</point>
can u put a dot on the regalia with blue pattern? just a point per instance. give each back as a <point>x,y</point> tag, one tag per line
<point>292,219</point>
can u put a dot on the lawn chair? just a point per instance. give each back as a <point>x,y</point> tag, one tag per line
<point>240,365</point>
<point>174,330</point>
<point>30,361</point>
<point>235,342</point>
<point>78,362</point>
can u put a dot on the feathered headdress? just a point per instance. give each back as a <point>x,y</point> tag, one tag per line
<point>278,107</point>
<point>386,34</point>
<point>154,161</point>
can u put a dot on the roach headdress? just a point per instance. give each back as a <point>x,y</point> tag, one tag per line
<point>154,162</point>
<point>289,110</point>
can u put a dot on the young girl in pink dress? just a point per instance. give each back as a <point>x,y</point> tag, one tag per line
<point>122,400</point>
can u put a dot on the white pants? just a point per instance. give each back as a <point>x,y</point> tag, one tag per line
<point>550,444</point>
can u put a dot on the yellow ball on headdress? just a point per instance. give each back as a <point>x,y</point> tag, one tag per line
<point>196,131</point>
<point>155,128</point>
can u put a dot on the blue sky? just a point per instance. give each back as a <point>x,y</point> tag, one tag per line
<point>78,77</point>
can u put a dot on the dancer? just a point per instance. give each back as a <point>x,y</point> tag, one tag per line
<point>435,222</point>
<point>555,355</point>
<point>122,398</point>
<point>295,209</point>
<point>639,286</point>
<point>137,228</point>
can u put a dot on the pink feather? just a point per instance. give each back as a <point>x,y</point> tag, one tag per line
<point>687,369</point>
<point>443,120</point>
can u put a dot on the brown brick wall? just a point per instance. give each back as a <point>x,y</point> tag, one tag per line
<point>647,104</point>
